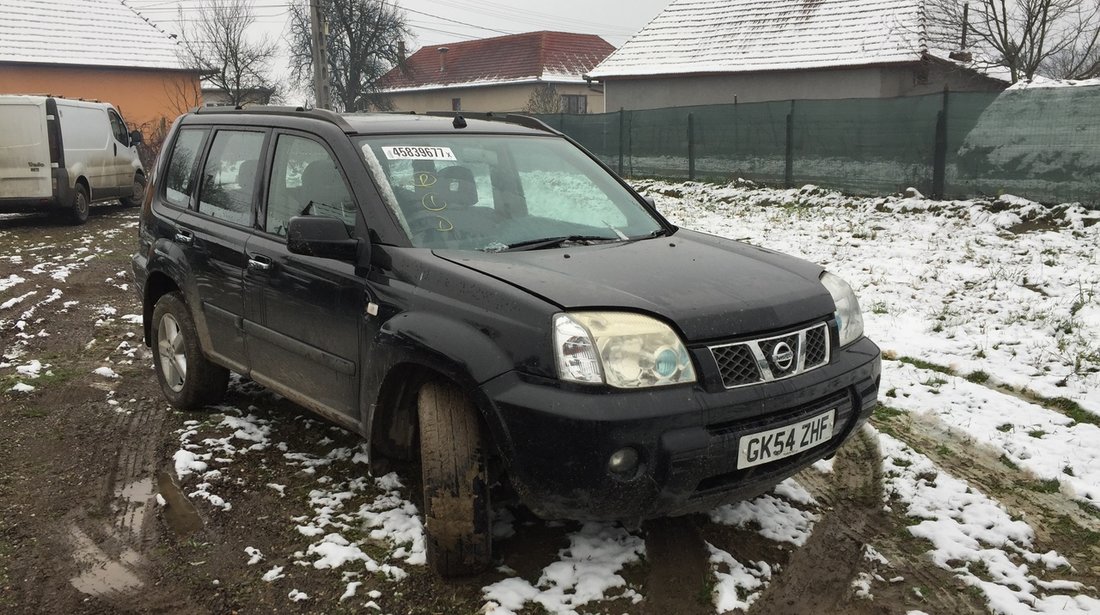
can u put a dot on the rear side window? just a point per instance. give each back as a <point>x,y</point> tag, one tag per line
<point>118,127</point>
<point>305,182</point>
<point>181,167</point>
<point>229,176</point>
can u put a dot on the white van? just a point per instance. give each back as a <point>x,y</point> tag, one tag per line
<point>61,155</point>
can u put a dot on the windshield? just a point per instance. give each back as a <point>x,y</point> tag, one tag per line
<point>495,193</point>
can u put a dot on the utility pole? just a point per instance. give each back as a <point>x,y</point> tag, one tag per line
<point>318,28</point>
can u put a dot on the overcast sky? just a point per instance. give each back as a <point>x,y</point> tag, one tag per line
<point>434,22</point>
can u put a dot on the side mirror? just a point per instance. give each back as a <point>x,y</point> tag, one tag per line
<point>136,137</point>
<point>652,203</point>
<point>323,237</point>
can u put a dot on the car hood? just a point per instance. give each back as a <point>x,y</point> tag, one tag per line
<point>706,286</point>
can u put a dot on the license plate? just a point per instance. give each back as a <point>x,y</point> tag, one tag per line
<point>767,446</point>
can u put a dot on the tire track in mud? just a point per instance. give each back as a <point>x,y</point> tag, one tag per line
<point>1058,522</point>
<point>818,577</point>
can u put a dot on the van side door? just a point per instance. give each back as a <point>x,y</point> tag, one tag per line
<point>304,312</point>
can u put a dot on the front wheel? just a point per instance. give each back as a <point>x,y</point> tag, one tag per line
<point>188,379</point>
<point>137,194</point>
<point>456,489</point>
<point>78,209</point>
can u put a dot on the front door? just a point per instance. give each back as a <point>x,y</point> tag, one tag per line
<point>122,165</point>
<point>304,313</point>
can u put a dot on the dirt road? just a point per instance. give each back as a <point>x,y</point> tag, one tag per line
<point>112,502</point>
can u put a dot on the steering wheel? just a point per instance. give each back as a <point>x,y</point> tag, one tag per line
<point>424,224</point>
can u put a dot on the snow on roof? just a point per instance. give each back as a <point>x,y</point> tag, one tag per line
<point>723,36</point>
<point>83,32</point>
<point>1044,82</point>
<point>555,57</point>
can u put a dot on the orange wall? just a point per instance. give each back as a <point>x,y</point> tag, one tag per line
<point>143,96</point>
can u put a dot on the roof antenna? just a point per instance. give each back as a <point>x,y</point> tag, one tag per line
<point>460,122</point>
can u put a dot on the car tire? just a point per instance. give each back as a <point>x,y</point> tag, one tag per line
<point>188,379</point>
<point>456,490</point>
<point>78,209</point>
<point>137,194</point>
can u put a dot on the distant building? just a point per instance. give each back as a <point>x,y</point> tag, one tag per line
<point>95,49</point>
<point>699,52</point>
<point>499,74</point>
<point>216,96</point>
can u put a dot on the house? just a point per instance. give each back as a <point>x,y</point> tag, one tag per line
<point>95,49</point>
<point>501,74</point>
<point>215,96</point>
<point>699,52</point>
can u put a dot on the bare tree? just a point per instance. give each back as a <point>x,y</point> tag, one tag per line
<point>364,40</point>
<point>544,99</point>
<point>1026,37</point>
<point>215,39</point>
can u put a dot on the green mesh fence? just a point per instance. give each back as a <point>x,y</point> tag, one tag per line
<point>1042,143</point>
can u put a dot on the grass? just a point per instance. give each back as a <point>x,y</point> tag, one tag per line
<point>1008,462</point>
<point>1004,427</point>
<point>885,413</point>
<point>1050,485</point>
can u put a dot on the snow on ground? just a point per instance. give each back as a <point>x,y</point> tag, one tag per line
<point>976,538</point>
<point>942,281</point>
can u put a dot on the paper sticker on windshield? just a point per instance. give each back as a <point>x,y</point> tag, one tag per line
<point>417,152</point>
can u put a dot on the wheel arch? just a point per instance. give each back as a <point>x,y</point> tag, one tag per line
<point>157,285</point>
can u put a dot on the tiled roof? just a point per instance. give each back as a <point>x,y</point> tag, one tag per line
<point>84,33</point>
<point>723,36</point>
<point>556,57</point>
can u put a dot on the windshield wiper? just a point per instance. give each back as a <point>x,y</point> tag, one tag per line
<point>553,242</point>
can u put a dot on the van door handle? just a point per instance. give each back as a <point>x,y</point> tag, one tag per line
<point>259,262</point>
<point>116,149</point>
<point>184,237</point>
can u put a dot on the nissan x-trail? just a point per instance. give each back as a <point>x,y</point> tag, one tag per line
<point>486,297</point>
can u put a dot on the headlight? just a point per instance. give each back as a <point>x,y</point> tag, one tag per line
<point>849,319</point>
<point>620,349</point>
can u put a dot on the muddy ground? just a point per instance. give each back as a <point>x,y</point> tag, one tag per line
<point>84,455</point>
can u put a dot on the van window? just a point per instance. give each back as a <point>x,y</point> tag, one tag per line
<point>229,176</point>
<point>305,181</point>
<point>181,167</point>
<point>119,128</point>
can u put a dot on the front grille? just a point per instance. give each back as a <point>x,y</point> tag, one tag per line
<point>772,358</point>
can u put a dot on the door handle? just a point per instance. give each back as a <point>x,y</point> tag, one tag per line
<point>259,262</point>
<point>184,237</point>
<point>116,149</point>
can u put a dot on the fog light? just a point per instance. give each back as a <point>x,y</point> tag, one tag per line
<point>623,461</point>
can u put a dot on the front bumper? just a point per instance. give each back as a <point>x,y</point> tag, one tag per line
<point>556,440</point>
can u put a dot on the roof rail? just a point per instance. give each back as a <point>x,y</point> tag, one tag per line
<point>511,118</point>
<point>324,115</point>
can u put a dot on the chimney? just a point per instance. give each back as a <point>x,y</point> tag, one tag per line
<point>443,58</point>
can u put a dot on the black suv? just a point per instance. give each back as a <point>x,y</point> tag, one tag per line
<point>484,295</point>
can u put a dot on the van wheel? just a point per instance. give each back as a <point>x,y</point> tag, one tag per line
<point>187,378</point>
<point>456,489</point>
<point>137,195</point>
<point>78,211</point>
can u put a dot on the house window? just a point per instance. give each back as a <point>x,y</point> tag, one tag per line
<point>574,103</point>
<point>456,104</point>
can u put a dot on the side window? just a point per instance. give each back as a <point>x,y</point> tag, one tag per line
<point>181,167</point>
<point>229,176</point>
<point>119,128</point>
<point>305,182</point>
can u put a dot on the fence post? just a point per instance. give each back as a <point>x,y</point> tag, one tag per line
<point>691,146</point>
<point>622,143</point>
<point>788,171</point>
<point>939,160</point>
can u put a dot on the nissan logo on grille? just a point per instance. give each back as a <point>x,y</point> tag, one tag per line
<point>782,356</point>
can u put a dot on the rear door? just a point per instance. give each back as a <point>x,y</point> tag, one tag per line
<point>215,231</point>
<point>24,150</point>
<point>304,313</point>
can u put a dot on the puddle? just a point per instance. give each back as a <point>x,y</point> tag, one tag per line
<point>132,505</point>
<point>104,575</point>
<point>179,514</point>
